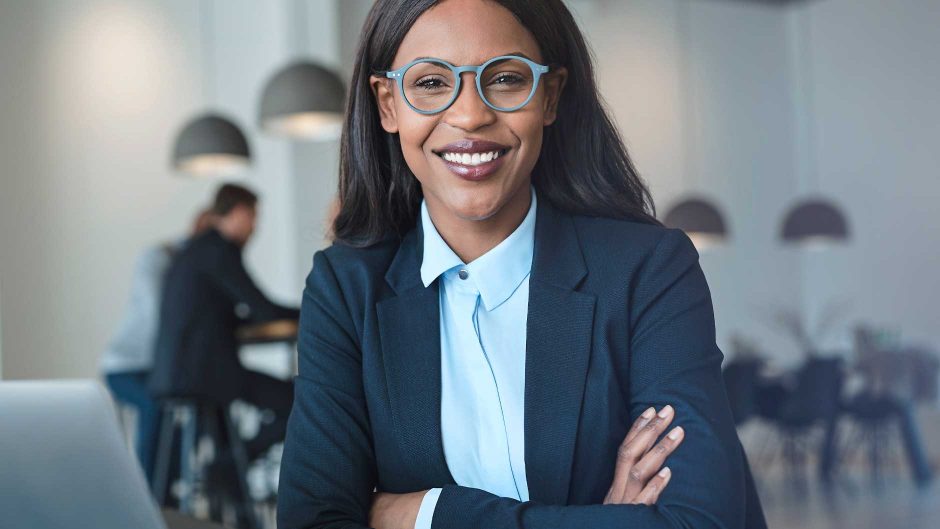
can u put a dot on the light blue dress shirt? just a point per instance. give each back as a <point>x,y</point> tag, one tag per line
<point>484,309</point>
<point>131,347</point>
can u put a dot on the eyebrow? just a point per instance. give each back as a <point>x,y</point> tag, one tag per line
<point>519,53</point>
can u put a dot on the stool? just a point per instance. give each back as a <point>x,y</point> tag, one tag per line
<point>127,420</point>
<point>191,417</point>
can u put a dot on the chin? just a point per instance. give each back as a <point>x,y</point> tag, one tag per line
<point>476,211</point>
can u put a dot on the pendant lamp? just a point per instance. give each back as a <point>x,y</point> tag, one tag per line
<point>303,101</point>
<point>210,144</point>
<point>697,216</point>
<point>700,220</point>
<point>814,222</point>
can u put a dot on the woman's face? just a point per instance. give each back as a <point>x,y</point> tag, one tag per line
<point>469,32</point>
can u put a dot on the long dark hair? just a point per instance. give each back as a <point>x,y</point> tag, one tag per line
<point>583,168</point>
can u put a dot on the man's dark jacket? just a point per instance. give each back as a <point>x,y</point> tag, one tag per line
<point>196,350</point>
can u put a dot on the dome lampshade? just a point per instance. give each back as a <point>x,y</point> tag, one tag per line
<point>303,101</point>
<point>211,145</point>
<point>700,220</point>
<point>813,223</point>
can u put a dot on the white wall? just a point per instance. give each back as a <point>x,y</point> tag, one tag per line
<point>830,96</point>
<point>93,91</point>
<point>874,79</point>
<point>701,93</point>
<point>93,94</point>
<point>316,38</point>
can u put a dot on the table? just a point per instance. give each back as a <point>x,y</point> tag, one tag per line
<point>277,331</point>
<point>268,332</point>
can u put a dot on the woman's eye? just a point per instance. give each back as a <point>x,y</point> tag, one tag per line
<point>429,83</point>
<point>507,79</point>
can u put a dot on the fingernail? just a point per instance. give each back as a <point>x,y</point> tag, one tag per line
<point>648,414</point>
<point>663,413</point>
<point>675,433</point>
<point>664,473</point>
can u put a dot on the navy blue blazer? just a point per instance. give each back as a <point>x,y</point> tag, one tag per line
<point>620,319</point>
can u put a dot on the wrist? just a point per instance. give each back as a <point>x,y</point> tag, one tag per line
<point>395,511</point>
<point>411,504</point>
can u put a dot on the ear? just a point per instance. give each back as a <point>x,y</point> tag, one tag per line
<point>383,89</point>
<point>554,84</point>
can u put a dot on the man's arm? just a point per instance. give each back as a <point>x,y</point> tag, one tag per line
<point>673,360</point>
<point>232,277</point>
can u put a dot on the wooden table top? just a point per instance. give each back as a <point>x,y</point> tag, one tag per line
<point>269,332</point>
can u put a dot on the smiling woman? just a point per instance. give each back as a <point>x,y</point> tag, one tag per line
<point>502,334</point>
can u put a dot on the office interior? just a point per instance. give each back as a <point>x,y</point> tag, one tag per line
<point>736,112</point>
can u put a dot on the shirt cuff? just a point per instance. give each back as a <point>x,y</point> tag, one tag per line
<point>426,511</point>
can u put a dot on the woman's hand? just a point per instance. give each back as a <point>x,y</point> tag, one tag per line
<point>395,511</point>
<point>638,478</point>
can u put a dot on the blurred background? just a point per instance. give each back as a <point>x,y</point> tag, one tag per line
<point>795,141</point>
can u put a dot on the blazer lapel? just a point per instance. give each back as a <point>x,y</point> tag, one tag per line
<point>558,346</point>
<point>409,327</point>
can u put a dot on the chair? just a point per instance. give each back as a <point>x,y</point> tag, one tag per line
<point>127,420</point>
<point>192,417</point>
<point>895,379</point>
<point>885,425</point>
<point>797,411</point>
<point>741,379</point>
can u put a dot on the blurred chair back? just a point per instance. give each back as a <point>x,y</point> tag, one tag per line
<point>817,394</point>
<point>741,382</point>
<point>905,373</point>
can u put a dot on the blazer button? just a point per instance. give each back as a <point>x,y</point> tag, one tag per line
<point>463,274</point>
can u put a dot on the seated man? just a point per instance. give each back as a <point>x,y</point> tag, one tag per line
<point>206,293</point>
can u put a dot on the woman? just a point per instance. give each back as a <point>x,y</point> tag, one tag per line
<point>501,333</point>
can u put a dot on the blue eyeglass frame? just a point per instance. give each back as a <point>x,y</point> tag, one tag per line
<point>537,71</point>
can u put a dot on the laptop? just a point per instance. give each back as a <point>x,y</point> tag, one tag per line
<point>64,462</point>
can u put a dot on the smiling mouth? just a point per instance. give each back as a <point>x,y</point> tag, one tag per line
<point>472,159</point>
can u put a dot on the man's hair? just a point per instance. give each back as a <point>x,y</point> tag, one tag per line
<point>230,195</point>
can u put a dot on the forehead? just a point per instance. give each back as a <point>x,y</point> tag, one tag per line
<point>466,32</point>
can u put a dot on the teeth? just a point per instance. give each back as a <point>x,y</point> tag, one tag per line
<point>476,158</point>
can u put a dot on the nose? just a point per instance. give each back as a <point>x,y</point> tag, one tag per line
<point>468,111</point>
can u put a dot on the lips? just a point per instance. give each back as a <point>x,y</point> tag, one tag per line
<point>471,152</point>
<point>472,159</point>
<point>471,146</point>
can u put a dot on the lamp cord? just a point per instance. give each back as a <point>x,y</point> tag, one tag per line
<point>207,36</point>
<point>690,125</point>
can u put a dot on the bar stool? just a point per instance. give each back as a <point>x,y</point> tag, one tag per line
<point>193,417</point>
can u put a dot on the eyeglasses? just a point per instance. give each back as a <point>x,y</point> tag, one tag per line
<point>505,83</point>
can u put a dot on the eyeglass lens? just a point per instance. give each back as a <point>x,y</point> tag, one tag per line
<point>506,83</point>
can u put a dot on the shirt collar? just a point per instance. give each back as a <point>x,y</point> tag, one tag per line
<point>497,273</point>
